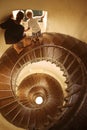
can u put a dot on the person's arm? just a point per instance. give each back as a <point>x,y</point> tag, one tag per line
<point>27,29</point>
<point>40,17</point>
<point>5,24</point>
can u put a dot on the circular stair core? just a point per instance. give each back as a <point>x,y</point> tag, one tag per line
<point>40,87</point>
<point>38,68</point>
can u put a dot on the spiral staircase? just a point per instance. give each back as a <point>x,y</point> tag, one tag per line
<point>53,70</point>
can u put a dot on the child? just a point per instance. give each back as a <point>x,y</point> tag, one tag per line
<point>33,23</point>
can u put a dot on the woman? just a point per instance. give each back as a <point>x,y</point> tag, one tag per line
<point>14,32</point>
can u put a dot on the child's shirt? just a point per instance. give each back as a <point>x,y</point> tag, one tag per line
<point>33,23</point>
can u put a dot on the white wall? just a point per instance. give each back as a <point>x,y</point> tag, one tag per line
<point>64,16</point>
<point>69,18</point>
<point>5,125</point>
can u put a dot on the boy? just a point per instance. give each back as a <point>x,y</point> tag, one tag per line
<point>33,23</point>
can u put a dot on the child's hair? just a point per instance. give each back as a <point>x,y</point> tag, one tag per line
<point>29,13</point>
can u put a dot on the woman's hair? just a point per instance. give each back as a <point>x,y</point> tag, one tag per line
<point>19,16</point>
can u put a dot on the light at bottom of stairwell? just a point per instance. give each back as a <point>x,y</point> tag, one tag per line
<point>39,100</point>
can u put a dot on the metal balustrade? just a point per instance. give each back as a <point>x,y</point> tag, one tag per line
<point>59,102</point>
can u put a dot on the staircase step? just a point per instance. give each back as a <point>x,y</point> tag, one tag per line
<point>4,94</point>
<point>4,86</point>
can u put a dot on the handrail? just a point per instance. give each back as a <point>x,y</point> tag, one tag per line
<point>67,61</point>
<point>48,58</point>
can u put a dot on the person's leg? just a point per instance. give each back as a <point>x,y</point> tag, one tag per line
<point>26,41</point>
<point>17,48</point>
<point>39,37</point>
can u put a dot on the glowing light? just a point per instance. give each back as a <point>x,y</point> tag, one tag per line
<point>39,100</point>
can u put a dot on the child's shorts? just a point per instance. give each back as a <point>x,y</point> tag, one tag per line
<point>36,34</point>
